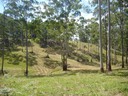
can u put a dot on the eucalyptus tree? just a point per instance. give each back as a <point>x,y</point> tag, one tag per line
<point>100,12</point>
<point>82,30</point>
<point>12,11</point>
<point>3,44</point>
<point>23,10</point>
<point>109,34</point>
<point>62,10</point>
<point>100,38</point>
<point>26,9</point>
<point>126,26</point>
<point>119,12</point>
<point>93,30</point>
<point>3,38</point>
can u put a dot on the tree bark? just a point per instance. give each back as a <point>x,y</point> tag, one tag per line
<point>122,47</point>
<point>64,55</point>
<point>109,45</point>
<point>115,58</point>
<point>26,73</point>
<point>127,56</point>
<point>3,49</point>
<point>64,61</point>
<point>100,33</point>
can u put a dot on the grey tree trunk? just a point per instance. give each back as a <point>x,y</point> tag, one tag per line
<point>109,40</point>
<point>122,46</point>
<point>100,33</point>
<point>88,46</point>
<point>26,72</point>
<point>105,25</point>
<point>121,30</point>
<point>127,56</point>
<point>106,50</point>
<point>64,55</point>
<point>3,48</point>
<point>22,40</point>
<point>115,58</point>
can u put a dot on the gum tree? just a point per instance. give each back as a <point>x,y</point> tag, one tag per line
<point>62,10</point>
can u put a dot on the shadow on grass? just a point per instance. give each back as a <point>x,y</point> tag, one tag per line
<point>119,72</point>
<point>64,73</point>
<point>52,64</point>
<point>14,59</point>
<point>83,59</point>
<point>124,87</point>
<point>32,59</point>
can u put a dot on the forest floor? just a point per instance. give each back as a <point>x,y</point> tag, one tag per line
<point>46,77</point>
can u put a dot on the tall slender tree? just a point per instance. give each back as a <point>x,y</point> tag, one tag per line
<point>3,38</point>
<point>109,34</point>
<point>3,44</point>
<point>27,9</point>
<point>100,38</point>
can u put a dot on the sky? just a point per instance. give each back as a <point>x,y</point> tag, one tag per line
<point>83,13</point>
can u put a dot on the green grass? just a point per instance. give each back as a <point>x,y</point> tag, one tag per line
<point>71,83</point>
<point>81,82</point>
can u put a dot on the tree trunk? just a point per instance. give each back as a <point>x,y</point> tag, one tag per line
<point>2,67</point>
<point>64,62</point>
<point>64,55</point>
<point>122,47</point>
<point>100,33</point>
<point>26,73</point>
<point>109,50</point>
<point>22,40</point>
<point>121,30</point>
<point>106,51</point>
<point>88,46</point>
<point>127,56</point>
<point>115,58</point>
<point>105,25</point>
<point>3,49</point>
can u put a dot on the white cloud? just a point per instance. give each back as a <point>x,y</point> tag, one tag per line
<point>87,15</point>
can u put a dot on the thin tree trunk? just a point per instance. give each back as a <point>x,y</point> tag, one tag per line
<point>22,40</point>
<point>115,58</point>
<point>26,73</point>
<point>3,49</point>
<point>105,25</point>
<point>106,50</point>
<point>88,46</point>
<point>100,32</point>
<point>127,56</point>
<point>121,29</point>
<point>109,50</point>
<point>31,40</point>
<point>98,49</point>
<point>122,46</point>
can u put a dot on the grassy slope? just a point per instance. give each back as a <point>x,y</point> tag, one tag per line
<point>83,80</point>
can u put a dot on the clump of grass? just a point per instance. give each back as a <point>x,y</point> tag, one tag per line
<point>5,91</point>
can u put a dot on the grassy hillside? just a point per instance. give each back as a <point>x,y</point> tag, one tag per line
<point>46,77</point>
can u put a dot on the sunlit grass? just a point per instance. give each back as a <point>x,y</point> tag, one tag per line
<point>71,83</point>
